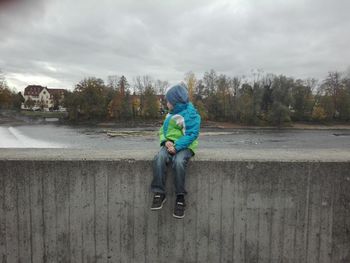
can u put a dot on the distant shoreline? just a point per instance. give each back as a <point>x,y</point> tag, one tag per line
<point>17,118</point>
<point>290,126</point>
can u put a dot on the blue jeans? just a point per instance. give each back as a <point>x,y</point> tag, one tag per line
<point>179,164</point>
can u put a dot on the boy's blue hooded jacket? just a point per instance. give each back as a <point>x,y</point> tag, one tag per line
<point>182,124</point>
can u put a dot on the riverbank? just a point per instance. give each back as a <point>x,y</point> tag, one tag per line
<point>291,126</point>
<point>10,118</point>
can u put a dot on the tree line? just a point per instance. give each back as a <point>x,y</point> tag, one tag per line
<point>9,99</point>
<point>271,99</point>
<point>116,100</point>
<point>259,99</point>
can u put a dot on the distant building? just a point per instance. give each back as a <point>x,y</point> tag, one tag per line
<point>42,97</point>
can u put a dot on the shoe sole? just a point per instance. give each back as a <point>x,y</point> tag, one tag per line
<point>160,207</point>
<point>179,217</point>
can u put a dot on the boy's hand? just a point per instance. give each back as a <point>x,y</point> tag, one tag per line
<point>170,147</point>
<point>169,144</point>
<point>172,150</point>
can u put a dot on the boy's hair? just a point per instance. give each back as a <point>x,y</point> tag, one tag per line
<point>177,93</point>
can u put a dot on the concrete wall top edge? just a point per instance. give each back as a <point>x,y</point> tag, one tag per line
<point>257,155</point>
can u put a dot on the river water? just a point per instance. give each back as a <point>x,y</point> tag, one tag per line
<point>59,136</point>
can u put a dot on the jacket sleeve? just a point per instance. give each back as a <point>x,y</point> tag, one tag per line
<point>192,127</point>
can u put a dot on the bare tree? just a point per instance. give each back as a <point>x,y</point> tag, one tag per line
<point>2,80</point>
<point>137,85</point>
<point>191,81</point>
<point>332,86</point>
<point>112,81</point>
<point>160,86</point>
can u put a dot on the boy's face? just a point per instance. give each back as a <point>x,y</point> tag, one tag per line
<point>169,105</point>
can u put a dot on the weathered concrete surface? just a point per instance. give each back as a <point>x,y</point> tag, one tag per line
<point>280,155</point>
<point>271,206</point>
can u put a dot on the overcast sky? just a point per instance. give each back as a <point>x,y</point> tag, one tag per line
<point>56,43</point>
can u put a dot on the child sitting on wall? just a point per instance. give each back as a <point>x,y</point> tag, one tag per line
<point>178,141</point>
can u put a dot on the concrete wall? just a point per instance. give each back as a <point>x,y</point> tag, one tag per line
<point>238,211</point>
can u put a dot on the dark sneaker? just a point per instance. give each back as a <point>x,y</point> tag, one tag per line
<point>179,210</point>
<point>158,201</point>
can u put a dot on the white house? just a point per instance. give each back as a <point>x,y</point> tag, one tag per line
<point>42,97</point>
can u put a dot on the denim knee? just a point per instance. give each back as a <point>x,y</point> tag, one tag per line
<point>161,156</point>
<point>179,163</point>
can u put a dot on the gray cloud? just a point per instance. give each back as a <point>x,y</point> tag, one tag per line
<point>59,42</point>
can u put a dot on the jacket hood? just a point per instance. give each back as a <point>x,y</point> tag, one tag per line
<point>177,94</point>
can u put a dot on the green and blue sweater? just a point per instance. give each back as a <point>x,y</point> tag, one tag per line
<point>181,126</point>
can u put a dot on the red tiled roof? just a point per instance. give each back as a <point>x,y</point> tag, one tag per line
<point>33,90</point>
<point>56,91</point>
